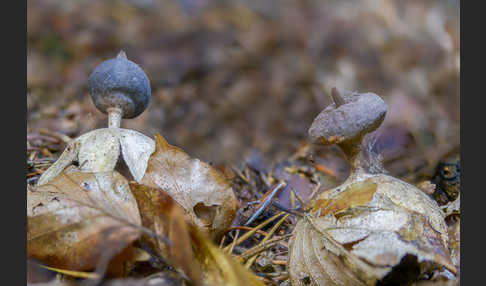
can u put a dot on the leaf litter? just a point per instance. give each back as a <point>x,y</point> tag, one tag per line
<point>78,217</point>
<point>172,221</point>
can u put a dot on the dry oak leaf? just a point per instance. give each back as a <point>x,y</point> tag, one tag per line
<point>79,219</point>
<point>218,267</point>
<point>358,231</point>
<point>189,249</point>
<point>203,192</point>
<point>164,216</point>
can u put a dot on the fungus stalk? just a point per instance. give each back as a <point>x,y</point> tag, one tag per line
<point>352,150</point>
<point>114,117</point>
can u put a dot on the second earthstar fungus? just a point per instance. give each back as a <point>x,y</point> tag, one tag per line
<point>359,232</point>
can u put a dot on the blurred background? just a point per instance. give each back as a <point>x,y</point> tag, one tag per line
<point>231,78</point>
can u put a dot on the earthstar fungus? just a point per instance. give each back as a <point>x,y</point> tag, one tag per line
<point>357,232</point>
<point>346,121</point>
<point>121,89</point>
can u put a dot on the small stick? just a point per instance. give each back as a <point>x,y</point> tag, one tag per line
<point>234,241</point>
<point>77,274</point>
<point>255,229</point>
<point>292,198</point>
<point>274,275</point>
<point>326,170</point>
<point>221,243</point>
<point>270,233</point>
<point>265,180</point>
<point>265,203</point>
<point>261,232</point>
<point>240,174</point>
<point>263,246</point>
<point>301,201</point>
<point>279,262</point>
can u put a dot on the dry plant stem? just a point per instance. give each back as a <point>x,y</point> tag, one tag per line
<point>77,274</point>
<point>114,117</point>
<point>234,241</point>
<point>261,232</point>
<point>301,201</point>
<point>266,238</point>
<point>221,243</point>
<point>254,230</point>
<point>292,197</point>
<point>263,246</point>
<point>238,172</point>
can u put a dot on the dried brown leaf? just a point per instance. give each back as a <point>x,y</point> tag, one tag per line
<point>218,267</point>
<point>360,230</point>
<point>166,218</point>
<point>189,249</point>
<point>203,192</point>
<point>78,219</point>
<point>357,194</point>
